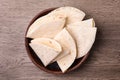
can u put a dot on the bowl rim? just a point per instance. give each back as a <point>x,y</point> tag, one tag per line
<point>41,13</point>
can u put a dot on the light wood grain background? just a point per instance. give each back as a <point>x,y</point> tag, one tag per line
<point>102,64</point>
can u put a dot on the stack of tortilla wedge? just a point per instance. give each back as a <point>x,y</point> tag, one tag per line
<point>61,36</point>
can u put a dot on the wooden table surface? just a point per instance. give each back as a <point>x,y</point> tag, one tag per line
<point>102,64</point>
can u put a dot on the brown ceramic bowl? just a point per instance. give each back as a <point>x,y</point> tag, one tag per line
<point>52,68</point>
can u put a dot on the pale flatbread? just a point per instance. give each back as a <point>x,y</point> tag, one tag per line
<point>84,36</point>
<point>46,26</point>
<point>87,23</point>
<point>46,49</point>
<point>68,46</point>
<point>48,42</point>
<point>72,14</point>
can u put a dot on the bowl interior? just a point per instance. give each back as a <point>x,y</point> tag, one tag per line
<point>52,68</point>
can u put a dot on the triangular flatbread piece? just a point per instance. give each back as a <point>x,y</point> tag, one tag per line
<point>83,35</point>
<point>69,47</point>
<point>46,26</point>
<point>46,49</point>
<point>72,14</point>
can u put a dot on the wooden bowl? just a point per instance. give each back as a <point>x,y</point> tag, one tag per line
<point>52,68</point>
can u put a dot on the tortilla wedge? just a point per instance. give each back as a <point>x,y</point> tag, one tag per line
<point>72,14</point>
<point>69,47</point>
<point>46,49</point>
<point>46,26</point>
<point>84,35</point>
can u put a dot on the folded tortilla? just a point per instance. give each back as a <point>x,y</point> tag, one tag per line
<point>84,34</point>
<point>46,49</point>
<point>46,26</point>
<point>68,47</point>
<point>72,14</point>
